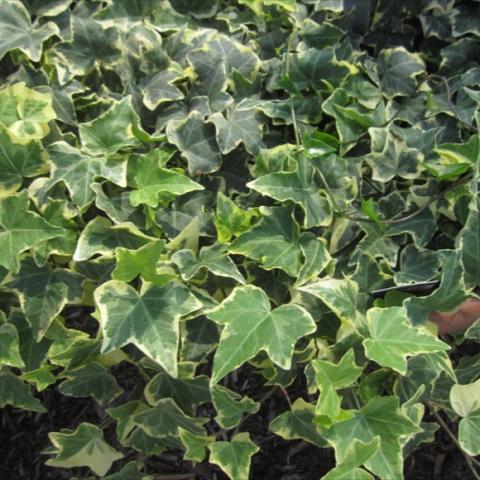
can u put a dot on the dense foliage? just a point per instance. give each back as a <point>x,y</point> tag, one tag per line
<point>210,191</point>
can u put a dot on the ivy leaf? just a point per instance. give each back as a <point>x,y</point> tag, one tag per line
<point>16,31</point>
<point>316,255</point>
<point>250,326</point>
<point>312,67</point>
<point>380,418</point>
<point>91,43</point>
<point>187,393</point>
<point>330,377</point>
<point>165,420</point>
<point>274,241</point>
<point>231,220</point>
<point>9,346</point>
<point>416,265</point>
<point>14,392</point>
<point>42,377</point>
<point>83,447</point>
<point>196,140</point>
<point>100,236</point>
<point>465,400</point>
<point>398,69</point>
<point>448,296</point>
<point>234,457</point>
<point>243,125</point>
<point>151,180</point>
<point>390,156</point>
<point>469,244</point>
<point>25,112</point>
<point>195,445</point>
<point>298,423</point>
<point>111,131</point>
<point>211,258</point>
<point>78,171</point>
<point>130,471</point>
<point>144,261</point>
<point>18,161</point>
<point>93,380</point>
<point>392,339</point>
<point>357,454</point>
<point>230,406</point>
<point>21,229</point>
<point>339,295</point>
<point>149,320</point>
<point>43,292</point>
<point>161,88</point>
<point>301,188</point>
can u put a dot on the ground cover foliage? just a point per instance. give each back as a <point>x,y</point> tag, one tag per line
<point>207,193</point>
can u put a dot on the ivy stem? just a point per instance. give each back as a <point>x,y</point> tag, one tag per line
<point>286,395</point>
<point>469,460</point>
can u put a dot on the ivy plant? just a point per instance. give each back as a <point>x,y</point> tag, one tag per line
<point>239,200</point>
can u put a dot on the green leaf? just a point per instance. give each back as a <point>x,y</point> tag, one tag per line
<point>469,244</point>
<point>165,420</point>
<point>211,258</point>
<point>14,392</point>
<point>447,297</point>
<point>274,242</point>
<point>123,415</point>
<point>195,445</point>
<point>42,377</point>
<point>33,353</point>
<point>257,5</point>
<point>91,43</point>
<point>25,113</point>
<point>316,255</point>
<point>313,67</point>
<point>130,471</point>
<point>21,229</point>
<point>416,265</point>
<point>301,188</point>
<point>390,156</point>
<point>102,237</point>
<point>78,171</point>
<point>196,141</point>
<point>465,400</point>
<point>18,161</point>
<point>250,326</point>
<point>161,88</point>
<point>9,346</point>
<point>380,418</point>
<point>340,296</point>
<point>111,131</point>
<point>298,423</point>
<point>231,406</point>
<point>149,320</point>
<point>132,263</point>
<point>16,31</point>
<point>234,457</point>
<point>398,69</point>
<point>43,292</point>
<point>392,339</point>
<point>90,380</point>
<point>187,393</point>
<point>330,377</point>
<point>231,220</point>
<point>243,125</point>
<point>357,454</point>
<point>151,181</point>
<point>83,447</point>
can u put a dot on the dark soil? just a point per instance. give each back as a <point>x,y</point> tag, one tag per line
<point>24,435</point>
